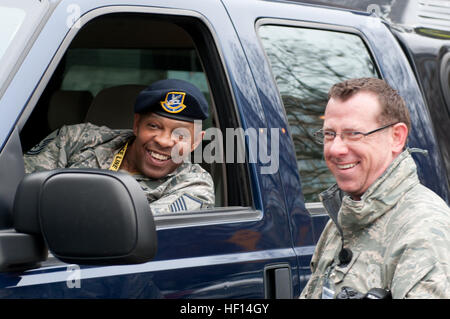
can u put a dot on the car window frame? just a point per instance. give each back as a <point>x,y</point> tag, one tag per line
<point>212,216</point>
<point>315,209</point>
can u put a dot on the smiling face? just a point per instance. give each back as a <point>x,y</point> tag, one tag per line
<point>157,139</point>
<point>356,165</point>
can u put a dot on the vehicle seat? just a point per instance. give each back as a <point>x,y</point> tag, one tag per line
<point>67,107</point>
<point>113,106</point>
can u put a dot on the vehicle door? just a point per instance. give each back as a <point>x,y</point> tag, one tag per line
<point>296,53</point>
<point>83,50</point>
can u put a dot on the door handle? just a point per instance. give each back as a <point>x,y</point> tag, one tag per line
<point>278,282</point>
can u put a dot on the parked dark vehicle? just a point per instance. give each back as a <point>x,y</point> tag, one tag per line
<point>423,31</point>
<point>265,66</point>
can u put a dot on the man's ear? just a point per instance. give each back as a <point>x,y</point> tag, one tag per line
<point>197,140</point>
<point>137,118</point>
<point>399,136</point>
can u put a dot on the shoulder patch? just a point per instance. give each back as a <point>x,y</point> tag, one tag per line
<point>185,202</point>
<point>39,147</point>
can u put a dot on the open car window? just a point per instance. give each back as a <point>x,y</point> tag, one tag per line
<point>112,58</point>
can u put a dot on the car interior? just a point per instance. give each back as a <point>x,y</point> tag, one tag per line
<point>110,60</point>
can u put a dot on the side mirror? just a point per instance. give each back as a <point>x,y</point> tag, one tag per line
<point>87,216</point>
<point>19,251</point>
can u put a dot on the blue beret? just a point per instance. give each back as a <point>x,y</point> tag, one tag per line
<point>176,99</point>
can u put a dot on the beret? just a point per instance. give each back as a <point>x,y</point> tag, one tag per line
<point>173,98</point>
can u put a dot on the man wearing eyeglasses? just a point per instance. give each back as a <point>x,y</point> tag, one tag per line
<point>388,235</point>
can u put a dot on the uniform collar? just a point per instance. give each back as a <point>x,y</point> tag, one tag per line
<point>178,170</point>
<point>380,197</point>
<point>114,145</point>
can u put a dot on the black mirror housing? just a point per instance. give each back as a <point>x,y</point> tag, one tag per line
<point>19,251</point>
<point>87,216</point>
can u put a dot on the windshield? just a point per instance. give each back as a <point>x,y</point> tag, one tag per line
<point>10,21</point>
<point>19,20</point>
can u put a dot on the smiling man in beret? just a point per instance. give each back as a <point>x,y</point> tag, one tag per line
<point>165,131</point>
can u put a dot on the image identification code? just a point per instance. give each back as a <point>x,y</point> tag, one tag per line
<point>227,308</point>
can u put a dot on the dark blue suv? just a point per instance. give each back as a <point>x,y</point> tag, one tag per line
<point>265,67</point>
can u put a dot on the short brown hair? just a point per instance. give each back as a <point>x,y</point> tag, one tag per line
<point>393,107</point>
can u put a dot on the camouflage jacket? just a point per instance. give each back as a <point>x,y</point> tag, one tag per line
<point>189,187</point>
<point>399,234</point>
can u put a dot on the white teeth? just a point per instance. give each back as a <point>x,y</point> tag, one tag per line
<point>346,166</point>
<point>159,156</point>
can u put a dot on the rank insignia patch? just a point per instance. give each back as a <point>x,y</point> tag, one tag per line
<point>186,202</point>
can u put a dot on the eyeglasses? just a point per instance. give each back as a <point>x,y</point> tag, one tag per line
<point>323,137</point>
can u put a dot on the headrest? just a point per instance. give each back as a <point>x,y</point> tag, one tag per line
<point>68,107</point>
<point>113,106</point>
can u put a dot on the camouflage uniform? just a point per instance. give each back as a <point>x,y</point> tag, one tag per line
<point>88,146</point>
<point>399,233</point>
